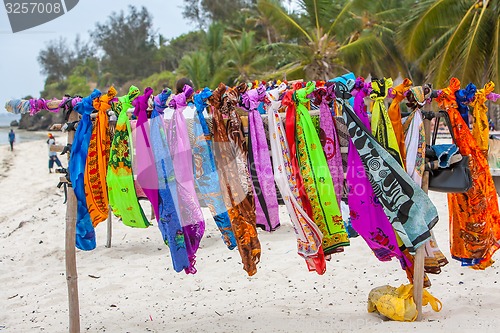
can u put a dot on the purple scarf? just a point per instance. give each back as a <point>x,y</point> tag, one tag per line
<point>261,171</point>
<point>329,139</point>
<point>367,214</point>
<point>147,176</point>
<point>362,89</point>
<point>192,221</point>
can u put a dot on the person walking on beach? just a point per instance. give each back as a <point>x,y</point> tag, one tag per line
<point>52,154</point>
<point>12,139</point>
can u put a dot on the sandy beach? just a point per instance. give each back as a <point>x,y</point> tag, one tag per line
<point>131,287</point>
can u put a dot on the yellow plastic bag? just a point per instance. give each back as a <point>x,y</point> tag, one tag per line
<point>397,303</point>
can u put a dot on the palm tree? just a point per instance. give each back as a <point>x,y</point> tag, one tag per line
<point>344,35</point>
<point>311,40</point>
<point>245,57</point>
<point>458,38</point>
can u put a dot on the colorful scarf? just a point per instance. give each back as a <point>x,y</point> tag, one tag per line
<point>317,178</point>
<point>367,214</point>
<point>408,208</point>
<point>463,97</point>
<point>414,133</point>
<point>147,177</point>
<point>382,128</point>
<point>266,205</point>
<point>329,139</point>
<point>290,121</point>
<point>230,156</point>
<point>85,233</point>
<point>192,220</point>
<point>474,216</point>
<point>97,161</point>
<point>168,222</point>
<point>413,129</point>
<point>481,129</point>
<point>205,173</point>
<point>120,179</point>
<point>309,237</point>
<point>394,112</point>
<point>361,90</point>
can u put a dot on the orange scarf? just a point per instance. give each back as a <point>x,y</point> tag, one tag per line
<point>474,216</point>
<point>395,116</point>
<point>97,161</point>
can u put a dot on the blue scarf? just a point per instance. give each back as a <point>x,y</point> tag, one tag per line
<point>168,219</point>
<point>205,172</point>
<point>85,233</point>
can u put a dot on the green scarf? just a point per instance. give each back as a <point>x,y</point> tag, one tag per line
<point>317,178</point>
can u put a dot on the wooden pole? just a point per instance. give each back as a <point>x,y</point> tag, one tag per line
<point>109,229</point>
<point>70,251</point>
<point>418,274</point>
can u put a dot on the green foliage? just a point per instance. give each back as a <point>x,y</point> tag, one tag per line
<point>126,40</point>
<point>205,12</point>
<point>454,38</point>
<point>159,81</point>
<point>169,55</point>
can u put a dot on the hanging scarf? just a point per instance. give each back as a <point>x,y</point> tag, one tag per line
<point>290,121</point>
<point>394,112</point>
<point>205,173</point>
<point>97,161</point>
<point>382,128</point>
<point>266,205</point>
<point>481,129</point>
<point>463,98</point>
<point>309,237</point>
<point>408,208</point>
<point>192,220</point>
<point>474,216</point>
<point>367,214</point>
<point>120,179</point>
<point>414,132</point>
<point>147,177</point>
<point>329,139</point>
<point>85,233</point>
<point>230,156</point>
<point>413,129</point>
<point>317,178</point>
<point>168,222</point>
<point>362,89</point>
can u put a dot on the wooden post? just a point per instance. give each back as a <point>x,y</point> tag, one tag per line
<point>70,251</point>
<point>109,229</point>
<point>418,273</point>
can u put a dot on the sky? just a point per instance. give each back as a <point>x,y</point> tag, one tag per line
<point>19,69</point>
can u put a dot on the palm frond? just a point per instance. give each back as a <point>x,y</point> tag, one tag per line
<point>430,17</point>
<point>284,17</point>
<point>449,53</point>
<point>495,63</point>
<point>477,48</point>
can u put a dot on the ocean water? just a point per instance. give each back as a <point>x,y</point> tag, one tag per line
<point>21,135</point>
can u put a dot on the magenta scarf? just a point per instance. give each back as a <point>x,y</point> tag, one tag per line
<point>147,176</point>
<point>367,214</point>
<point>329,139</point>
<point>192,221</point>
<point>361,90</point>
<point>261,170</point>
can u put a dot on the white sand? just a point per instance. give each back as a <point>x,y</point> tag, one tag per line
<point>138,291</point>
